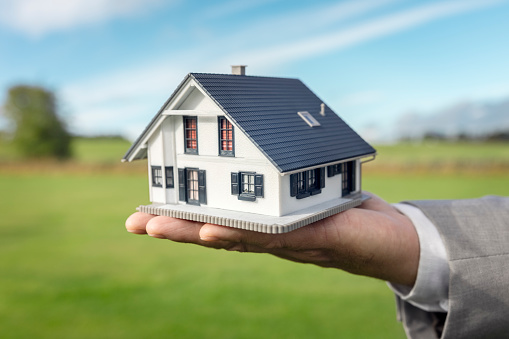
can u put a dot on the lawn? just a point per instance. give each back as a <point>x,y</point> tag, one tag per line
<point>70,270</point>
<point>102,150</point>
<point>398,187</point>
<point>444,157</point>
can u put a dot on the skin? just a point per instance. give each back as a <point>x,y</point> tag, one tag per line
<point>374,240</point>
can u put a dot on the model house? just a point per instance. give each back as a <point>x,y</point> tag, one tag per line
<point>257,153</point>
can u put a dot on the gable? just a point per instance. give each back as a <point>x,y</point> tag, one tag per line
<point>194,99</point>
<point>187,99</point>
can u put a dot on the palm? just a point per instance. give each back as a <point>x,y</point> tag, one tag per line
<point>373,240</point>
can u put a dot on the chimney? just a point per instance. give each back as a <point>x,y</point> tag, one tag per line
<point>322,109</point>
<point>239,70</point>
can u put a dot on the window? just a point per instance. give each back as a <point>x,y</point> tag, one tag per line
<point>191,135</point>
<point>309,119</point>
<point>169,177</point>
<point>334,169</point>
<point>313,184</point>
<point>247,185</point>
<point>225,137</point>
<point>157,176</point>
<point>192,186</point>
<point>307,183</point>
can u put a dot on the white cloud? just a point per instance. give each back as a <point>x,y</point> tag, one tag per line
<point>303,22</point>
<point>39,17</point>
<point>318,17</point>
<point>375,28</point>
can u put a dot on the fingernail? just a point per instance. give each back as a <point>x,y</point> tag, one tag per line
<point>209,238</point>
<point>159,236</point>
<point>136,231</point>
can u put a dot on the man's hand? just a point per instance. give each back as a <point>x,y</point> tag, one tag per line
<point>373,240</point>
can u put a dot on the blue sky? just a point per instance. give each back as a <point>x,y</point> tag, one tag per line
<point>114,63</point>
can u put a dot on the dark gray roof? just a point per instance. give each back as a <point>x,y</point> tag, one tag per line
<point>265,108</point>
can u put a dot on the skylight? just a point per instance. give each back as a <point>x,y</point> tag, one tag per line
<point>308,118</point>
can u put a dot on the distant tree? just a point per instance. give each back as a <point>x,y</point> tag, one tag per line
<point>39,132</point>
<point>498,136</point>
<point>463,136</point>
<point>434,136</point>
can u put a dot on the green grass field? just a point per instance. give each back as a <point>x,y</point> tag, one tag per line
<point>70,270</point>
<point>450,157</point>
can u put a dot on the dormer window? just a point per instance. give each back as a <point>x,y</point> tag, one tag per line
<point>309,119</point>
<point>226,147</point>
<point>191,135</point>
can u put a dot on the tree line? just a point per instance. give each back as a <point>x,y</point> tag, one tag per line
<point>494,136</point>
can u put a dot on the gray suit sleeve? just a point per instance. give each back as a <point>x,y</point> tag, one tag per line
<point>476,236</point>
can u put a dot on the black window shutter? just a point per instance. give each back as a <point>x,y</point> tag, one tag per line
<point>351,169</point>
<point>235,183</point>
<point>201,187</point>
<point>293,184</point>
<point>330,171</point>
<point>259,185</point>
<point>182,184</point>
<point>169,177</point>
<point>322,177</point>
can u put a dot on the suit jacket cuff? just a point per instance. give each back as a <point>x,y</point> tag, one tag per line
<point>431,289</point>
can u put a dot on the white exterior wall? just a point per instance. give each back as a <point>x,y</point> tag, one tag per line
<point>218,168</point>
<point>155,152</point>
<point>290,204</point>
<point>161,152</point>
<point>168,139</point>
<point>195,100</point>
<point>332,190</point>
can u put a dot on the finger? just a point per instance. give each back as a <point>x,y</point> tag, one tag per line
<point>174,229</point>
<point>236,239</point>
<point>137,222</point>
<point>180,230</point>
<point>249,241</point>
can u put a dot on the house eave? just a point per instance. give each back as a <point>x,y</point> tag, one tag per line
<point>178,112</point>
<point>372,155</point>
